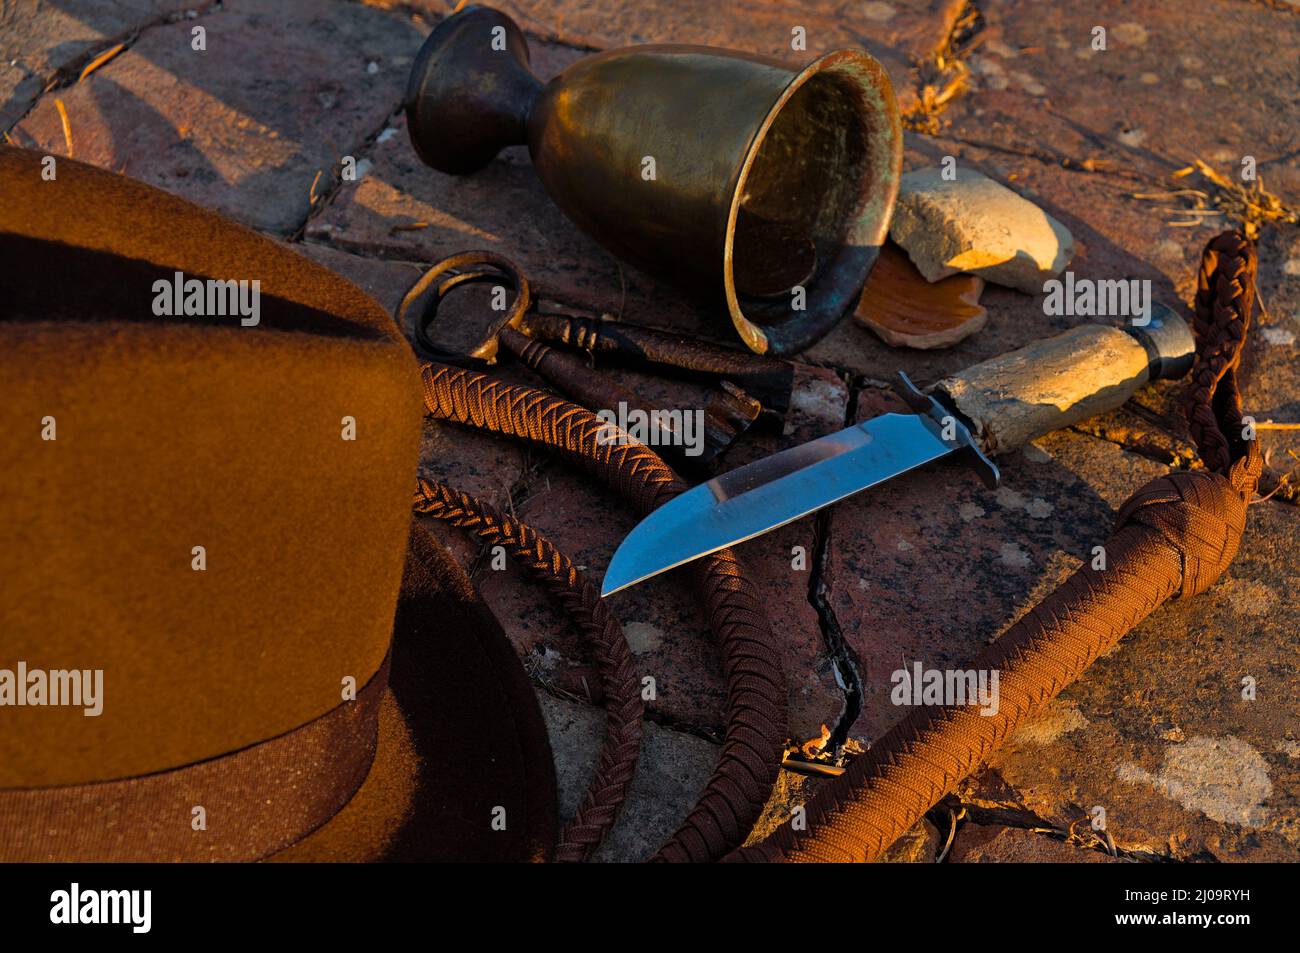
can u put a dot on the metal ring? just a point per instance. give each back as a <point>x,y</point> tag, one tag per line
<point>486,350</point>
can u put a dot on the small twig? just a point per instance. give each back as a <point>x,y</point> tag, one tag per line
<point>1169,195</point>
<point>67,126</point>
<point>1259,296</point>
<point>952,833</point>
<point>811,768</point>
<point>1282,481</point>
<point>100,60</point>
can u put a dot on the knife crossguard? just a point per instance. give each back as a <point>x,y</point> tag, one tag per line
<point>949,428</point>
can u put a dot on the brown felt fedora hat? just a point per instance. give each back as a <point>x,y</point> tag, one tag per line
<point>222,637</point>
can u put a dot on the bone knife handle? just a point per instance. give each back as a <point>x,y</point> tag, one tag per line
<point>1050,384</point>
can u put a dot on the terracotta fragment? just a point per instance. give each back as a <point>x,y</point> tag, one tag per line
<point>905,310</point>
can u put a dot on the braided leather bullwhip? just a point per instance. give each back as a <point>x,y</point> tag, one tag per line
<point>756,694</point>
<point>1225,297</point>
<point>604,637</point>
<point>1174,536</point>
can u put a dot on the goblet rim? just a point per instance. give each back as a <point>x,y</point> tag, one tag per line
<point>753,335</point>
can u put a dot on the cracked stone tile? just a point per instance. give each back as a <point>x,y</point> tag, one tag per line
<point>930,566</point>
<point>671,773</point>
<point>1173,82</point>
<point>282,91</point>
<point>662,616</point>
<point>984,844</point>
<point>1158,733</point>
<point>41,42</point>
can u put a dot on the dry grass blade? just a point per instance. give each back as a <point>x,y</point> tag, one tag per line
<point>67,126</point>
<point>1246,203</point>
<point>100,60</point>
<point>946,74</point>
<point>1283,486</point>
<point>1176,193</point>
<point>955,818</point>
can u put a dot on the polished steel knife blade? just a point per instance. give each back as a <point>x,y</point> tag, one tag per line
<point>1007,401</point>
<point>776,490</point>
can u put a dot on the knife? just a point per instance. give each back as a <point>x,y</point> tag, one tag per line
<point>985,410</point>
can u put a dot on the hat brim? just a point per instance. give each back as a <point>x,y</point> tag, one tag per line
<point>462,768</point>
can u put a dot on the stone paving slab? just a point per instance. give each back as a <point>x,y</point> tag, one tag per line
<point>1273,350</point>
<point>283,91</point>
<point>385,281</point>
<point>1214,80</point>
<point>46,41</point>
<point>671,773</point>
<point>1158,732</point>
<point>898,33</point>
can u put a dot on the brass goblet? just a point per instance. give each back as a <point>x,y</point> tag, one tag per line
<point>759,184</point>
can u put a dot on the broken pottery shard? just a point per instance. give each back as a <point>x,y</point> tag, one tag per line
<point>975,224</point>
<point>905,310</point>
